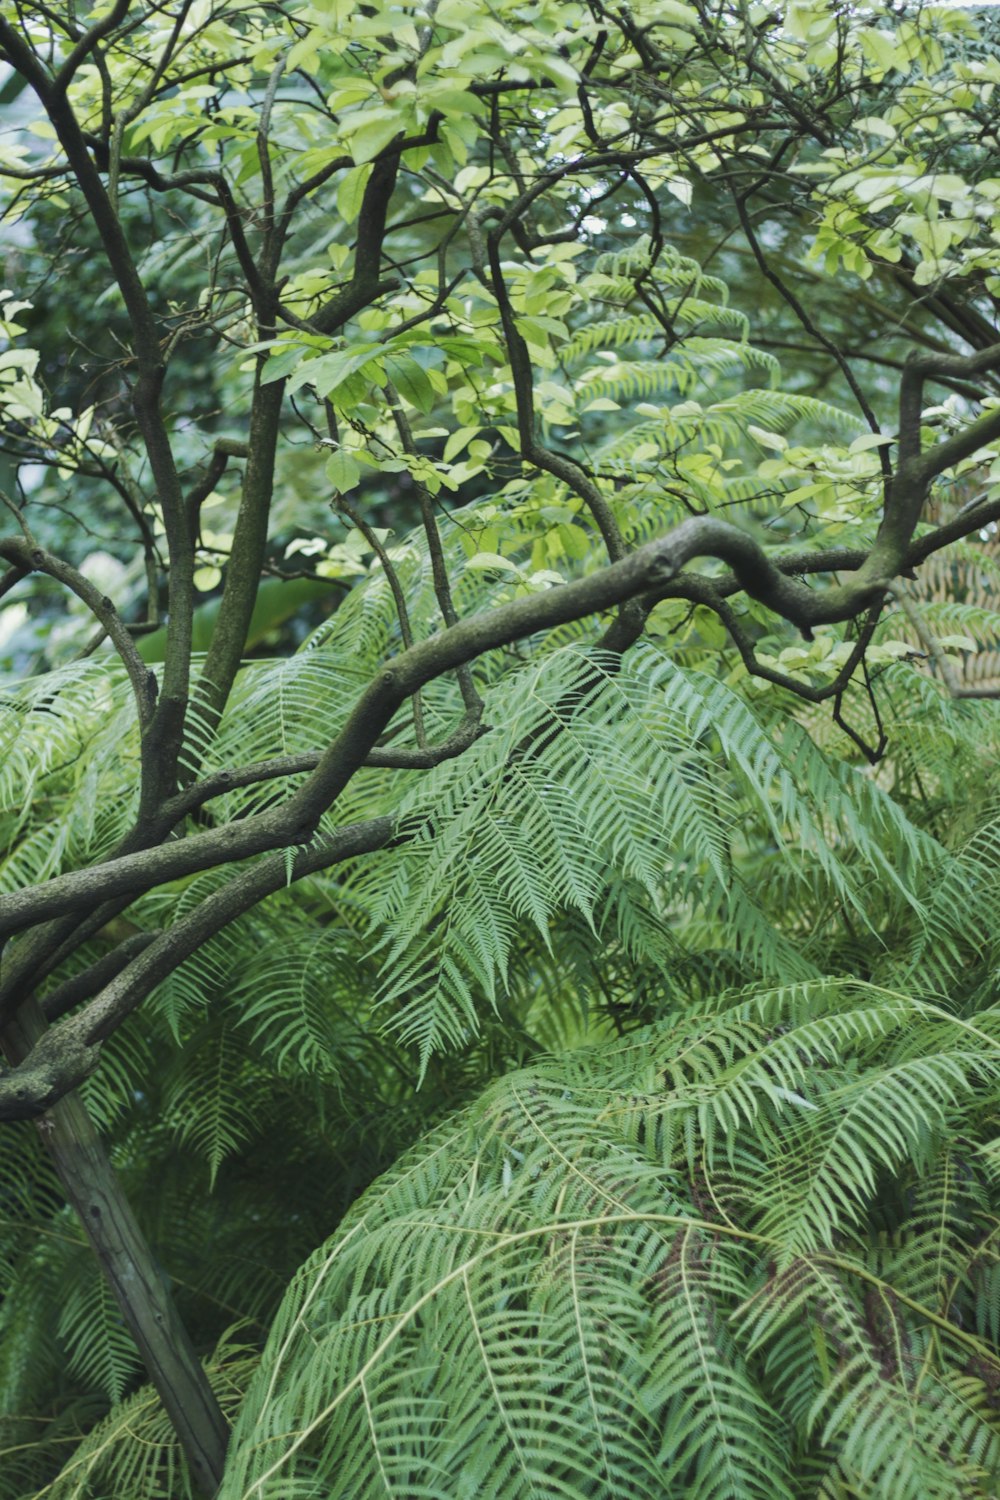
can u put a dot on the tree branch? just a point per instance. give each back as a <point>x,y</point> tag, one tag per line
<point>439,570</point>
<point>166,729</point>
<point>28,557</point>
<point>532,451</point>
<point>643,573</point>
<point>66,1054</point>
<point>87,43</point>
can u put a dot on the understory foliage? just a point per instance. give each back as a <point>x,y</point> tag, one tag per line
<point>597,1094</point>
<point>661,1269</point>
<point>729,1226</point>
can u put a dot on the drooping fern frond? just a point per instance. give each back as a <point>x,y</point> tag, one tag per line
<point>683,371</point>
<point>674,270</point>
<point>68,739</point>
<point>600,778</point>
<point>134,1450</point>
<point>683,312</point>
<point>594,1281</point>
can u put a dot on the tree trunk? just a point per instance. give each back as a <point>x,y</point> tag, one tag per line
<point>93,1190</point>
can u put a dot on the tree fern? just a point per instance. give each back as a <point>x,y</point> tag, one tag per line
<point>134,1449</point>
<point>627,840</point>
<point>588,1284</point>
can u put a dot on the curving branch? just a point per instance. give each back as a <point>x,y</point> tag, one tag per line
<point>28,557</point>
<point>86,44</point>
<point>439,570</point>
<point>382,757</point>
<point>68,1052</point>
<point>921,367</point>
<point>642,575</point>
<point>532,451</point>
<point>66,996</point>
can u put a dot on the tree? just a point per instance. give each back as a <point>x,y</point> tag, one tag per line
<point>553,768</point>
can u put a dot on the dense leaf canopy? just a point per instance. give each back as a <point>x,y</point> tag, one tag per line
<point>498,750</point>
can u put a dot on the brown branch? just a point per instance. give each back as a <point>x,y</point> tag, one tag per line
<point>915,469</point>
<point>952,450</point>
<point>126,115</point>
<point>785,292</point>
<point>872,753</point>
<point>59,1001</point>
<point>556,464</point>
<point>224,450</point>
<point>920,367</point>
<point>260,293</point>
<point>11,578</point>
<point>371,536</point>
<point>192,181</point>
<point>365,285</point>
<point>66,1054</point>
<point>264,149</point>
<point>165,732</point>
<point>382,757</point>
<point>439,569</point>
<point>250,535</point>
<point>303,189</point>
<point>246,557</point>
<point>28,557</point>
<point>87,43</point>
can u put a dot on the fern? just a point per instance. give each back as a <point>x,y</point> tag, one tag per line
<point>612,333</point>
<point>134,1447</point>
<point>748,1250</point>
<point>629,380</point>
<point>595,1280</point>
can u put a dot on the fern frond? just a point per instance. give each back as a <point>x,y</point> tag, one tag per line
<point>590,1277</point>
<point>683,370</point>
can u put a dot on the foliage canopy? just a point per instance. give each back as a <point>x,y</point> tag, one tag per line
<point>498,750</point>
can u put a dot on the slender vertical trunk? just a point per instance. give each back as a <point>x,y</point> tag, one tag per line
<point>93,1190</point>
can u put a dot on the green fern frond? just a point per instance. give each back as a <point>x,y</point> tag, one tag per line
<point>588,1279</point>
<point>643,327</point>
<point>682,370</point>
<point>100,1348</point>
<point>134,1453</point>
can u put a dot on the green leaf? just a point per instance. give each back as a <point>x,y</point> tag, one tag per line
<point>767,439</point>
<point>375,129</point>
<point>351,192</point>
<point>329,371</point>
<point>869,440</point>
<point>457,441</point>
<point>411,380</point>
<point>487,560</point>
<point>343,471</point>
